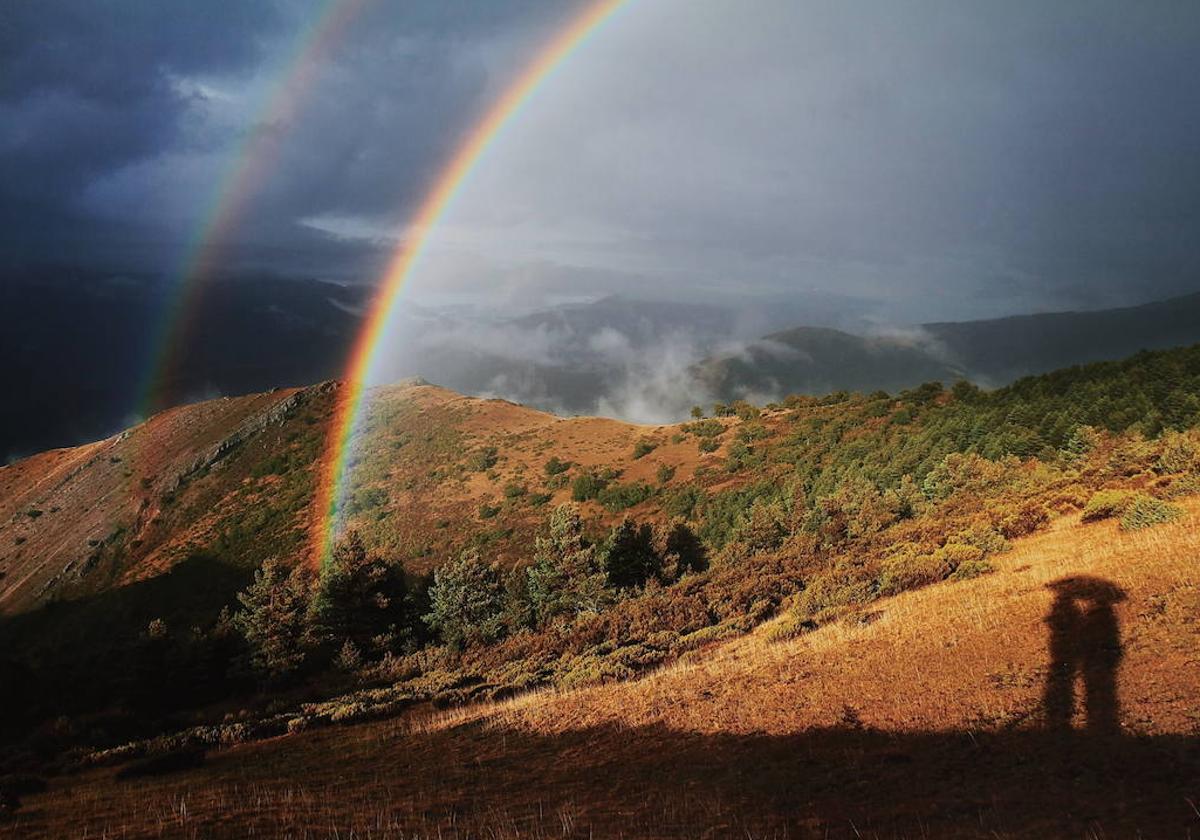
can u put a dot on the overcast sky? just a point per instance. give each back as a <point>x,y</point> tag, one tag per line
<point>917,160</point>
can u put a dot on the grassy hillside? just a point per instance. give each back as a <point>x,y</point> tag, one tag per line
<point>923,717</point>
<point>490,550</point>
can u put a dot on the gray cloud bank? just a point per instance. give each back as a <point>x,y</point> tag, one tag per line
<point>926,160</point>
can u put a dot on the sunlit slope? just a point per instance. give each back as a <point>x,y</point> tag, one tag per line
<point>131,505</point>
<point>230,480</point>
<point>920,717</point>
<point>956,656</point>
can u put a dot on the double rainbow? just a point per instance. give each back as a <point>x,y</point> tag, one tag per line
<point>334,469</point>
<point>244,175</point>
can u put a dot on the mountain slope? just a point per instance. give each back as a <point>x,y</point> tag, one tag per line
<point>1000,350</point>
<point>815,360</point>
<point>991,353</point>
<point>920,718</point>
<point>231,479</point>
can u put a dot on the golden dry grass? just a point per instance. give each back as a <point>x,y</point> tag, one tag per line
<point>920,718</point>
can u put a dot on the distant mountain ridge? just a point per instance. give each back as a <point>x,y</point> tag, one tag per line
<point>77,346</point>
<point>991,352</point>
<point>1004,349</point>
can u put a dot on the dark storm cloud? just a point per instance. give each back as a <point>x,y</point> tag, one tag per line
<point>85,87</point>
<point>107,122</point>
<point>967,157</point>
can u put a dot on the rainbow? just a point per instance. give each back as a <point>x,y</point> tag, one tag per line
<point>335,467</point>
<point>243,176</point>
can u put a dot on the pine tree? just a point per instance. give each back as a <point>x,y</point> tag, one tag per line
<point>466,601</point>
<point>273,619</point>
<point>361,598</point>
<point>566,577</point>
<point>681,551</point>
<point>629,556</point>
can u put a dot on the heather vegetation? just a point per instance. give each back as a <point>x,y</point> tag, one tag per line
<point>819,507</point>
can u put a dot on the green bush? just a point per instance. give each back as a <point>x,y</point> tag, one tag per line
<point>1106,504</point>
<point>586,486</point>
<point>705,428</point>
<point>909,570</point>
<point>555,466</point>
<point>643,448</point>
<point>843,586</point>
<point>763,528</point>
<point>682,503</point>
<point>955,555</point>
<point>1180,454</point>
<point>665,473</point>
<point>629,555</point>
<point>1022,521</point>
<point>709,444</point>
<point>745,410</point>
<point>618,497</point>
<point>972,569</point>
<point>1146,512</point>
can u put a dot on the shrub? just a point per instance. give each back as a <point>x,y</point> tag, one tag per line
<point>487,511</point>
<point>763,528</point>
<point>984,537</point>
<point>618,497</point>
<point>909,570</point>
<point>745,410</point>
<point>515,490</point>
<point>1146,511</point>
<point>643,448</point>
<point>972,569</point>
<point>1082,441</point>
<point>709,444</point>
<point>586,486</point>
<point>665,473</point>
<point>483,459</point>
<point>681,551</point>
<point>697,412</point>
<point>1180,454</point>
<point>1185,485</point>
<point>682,503</point>
<point>1131,456</point>
<point>955,555</point>
<point>555,466</point>
<point>1105,504</point>
<point>705,428</point>
<point>842,586</point>
<point>1023,521</point>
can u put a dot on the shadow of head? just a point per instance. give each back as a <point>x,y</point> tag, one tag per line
<point>1086,588</point>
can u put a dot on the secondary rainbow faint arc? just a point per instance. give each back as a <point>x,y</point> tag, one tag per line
<point>335,468</point>
<point>246,171</point>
